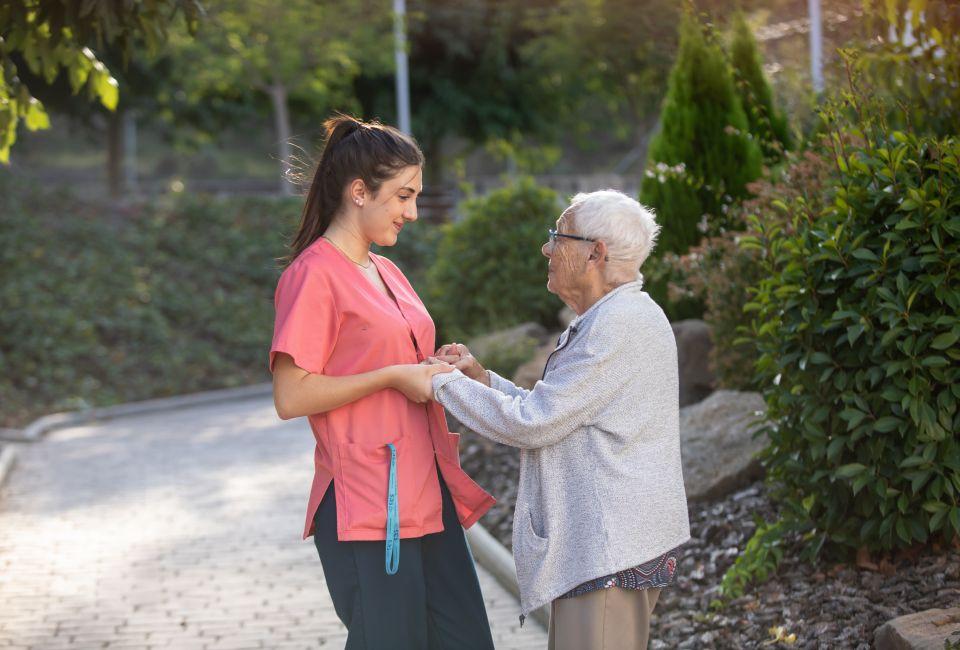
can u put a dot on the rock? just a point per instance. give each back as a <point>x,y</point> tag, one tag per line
<point>453,424</point>
<point>530,372</point>
<point>484,346</point>
<point>504,350</point>
<point>927,630</point>
<point>717,445</point>
<point>694,343</point>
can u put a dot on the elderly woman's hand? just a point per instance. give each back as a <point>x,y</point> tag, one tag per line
<point>458,355</point>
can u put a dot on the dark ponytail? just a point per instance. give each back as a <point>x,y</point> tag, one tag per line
<point>370,151</point>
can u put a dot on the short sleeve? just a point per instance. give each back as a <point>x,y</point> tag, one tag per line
<point>307,320</point>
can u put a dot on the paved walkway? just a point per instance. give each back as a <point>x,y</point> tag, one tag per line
<point>176,530</point>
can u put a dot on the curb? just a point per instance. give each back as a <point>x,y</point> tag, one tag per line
<point>495,558</point>
<point>8,457</point>
<point>47,423</point>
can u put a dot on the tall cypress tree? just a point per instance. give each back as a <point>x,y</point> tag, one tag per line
<point>767,125</point>
<point>704,155</point>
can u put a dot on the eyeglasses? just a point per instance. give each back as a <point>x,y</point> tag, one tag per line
<point>554,234</point>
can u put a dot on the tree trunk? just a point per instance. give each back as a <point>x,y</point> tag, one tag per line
<point>115,151</point>
<point>130,152</point>
<point>281,123</point>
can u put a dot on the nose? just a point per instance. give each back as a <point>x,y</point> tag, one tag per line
<point>547,249</point>
<point>410,214</point>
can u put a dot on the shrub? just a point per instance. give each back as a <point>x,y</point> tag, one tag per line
<point>721,273</point>
<point>857,324</point>
<point>415,252</point>
<point>767,125</point>
<point>667,282</point>
<point>489,272</point>
<point>704,156</point>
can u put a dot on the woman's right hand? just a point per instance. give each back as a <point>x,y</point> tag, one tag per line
<point>415,381</point>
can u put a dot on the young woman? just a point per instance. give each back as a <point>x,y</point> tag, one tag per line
<point>389,498</point>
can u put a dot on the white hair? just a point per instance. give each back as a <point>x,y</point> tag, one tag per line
<point>627,228</point>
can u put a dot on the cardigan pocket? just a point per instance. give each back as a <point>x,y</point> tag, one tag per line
<point>365,473</point>
<point>531,552</point>
<point>533,529</point>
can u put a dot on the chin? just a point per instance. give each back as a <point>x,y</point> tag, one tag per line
<point>387,239</point>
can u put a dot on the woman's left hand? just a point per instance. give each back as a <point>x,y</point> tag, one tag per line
<point>458,355</point>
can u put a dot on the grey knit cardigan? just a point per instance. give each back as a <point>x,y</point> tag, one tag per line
<point>601,486</point>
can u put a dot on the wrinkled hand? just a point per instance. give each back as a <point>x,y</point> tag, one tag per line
<point>459,355</point>
<point>415,380</point>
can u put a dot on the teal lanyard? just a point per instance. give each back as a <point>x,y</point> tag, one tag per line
<point>393,517</point>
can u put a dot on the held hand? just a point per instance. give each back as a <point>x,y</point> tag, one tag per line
<point>450,349</point>
<point>459,355</point>
<point>415,381</point>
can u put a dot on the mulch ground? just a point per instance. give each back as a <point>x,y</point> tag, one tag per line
<point>828,606</point>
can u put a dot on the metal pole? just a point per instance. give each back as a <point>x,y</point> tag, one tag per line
<point>816,46</point>
<point>403,77</point>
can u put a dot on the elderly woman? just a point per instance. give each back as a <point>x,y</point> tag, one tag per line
<point>601,508</point>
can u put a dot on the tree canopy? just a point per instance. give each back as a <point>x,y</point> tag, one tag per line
<point>50,36</point>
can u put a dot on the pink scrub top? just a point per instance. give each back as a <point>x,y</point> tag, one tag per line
<point>331,320</point>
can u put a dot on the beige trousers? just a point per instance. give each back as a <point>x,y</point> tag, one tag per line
<point>606,619</point>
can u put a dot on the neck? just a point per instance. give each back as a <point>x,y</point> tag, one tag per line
<point>592,291</point>
<point>351,242</point>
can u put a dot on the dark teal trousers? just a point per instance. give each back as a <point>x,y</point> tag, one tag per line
<point>433,602</point>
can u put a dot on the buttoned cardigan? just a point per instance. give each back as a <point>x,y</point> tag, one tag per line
<point>601,484</point>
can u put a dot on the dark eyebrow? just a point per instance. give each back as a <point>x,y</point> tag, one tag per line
<point>409,189</point>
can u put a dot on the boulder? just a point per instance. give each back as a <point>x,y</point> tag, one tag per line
<point>717,445</point>
<point>504,350</point>
<point>694,343</point>
<point>510,338</point>
<point>927,630</point>
<point>529,373</point>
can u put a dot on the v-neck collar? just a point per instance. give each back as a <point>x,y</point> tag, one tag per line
<point>393,298</point>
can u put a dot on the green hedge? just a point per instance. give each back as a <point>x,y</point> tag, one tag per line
<point>105,304</point>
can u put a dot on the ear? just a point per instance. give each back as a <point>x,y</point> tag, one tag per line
<point>357,192</point>
<point>599,252</point>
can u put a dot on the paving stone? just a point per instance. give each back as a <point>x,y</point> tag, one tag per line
<point>176,530</point>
